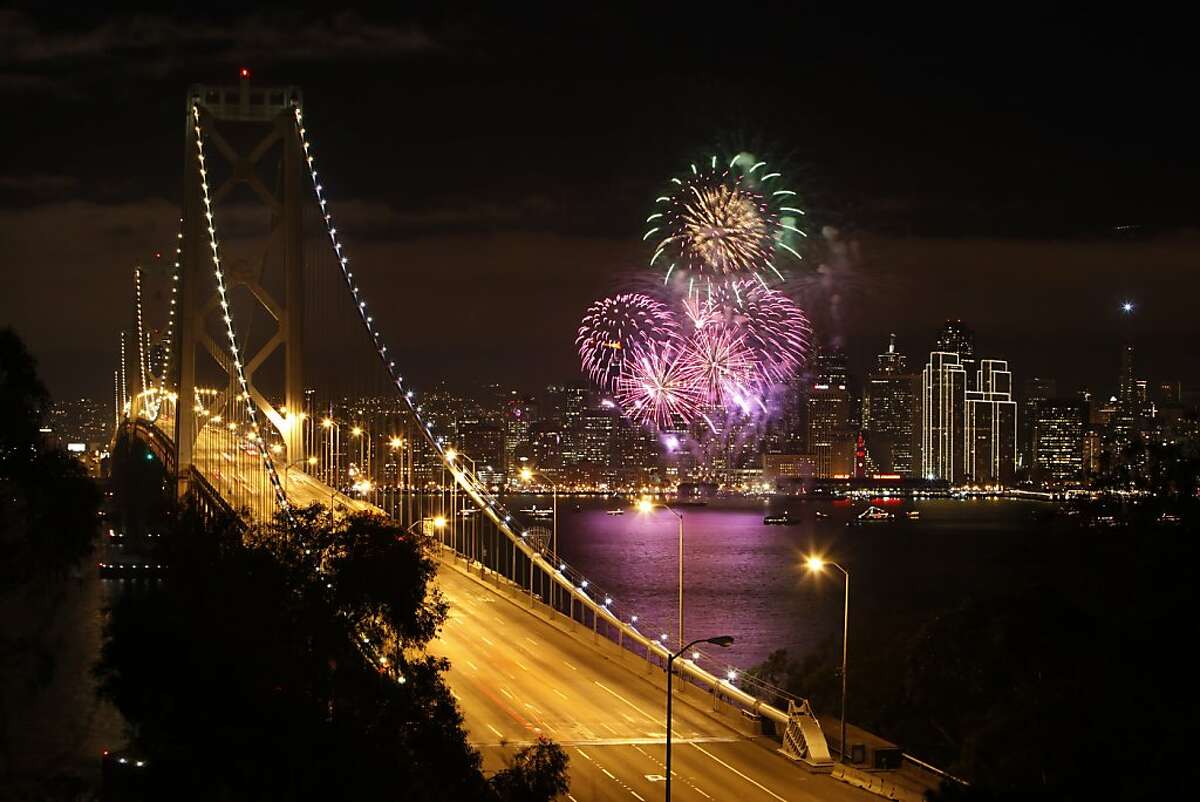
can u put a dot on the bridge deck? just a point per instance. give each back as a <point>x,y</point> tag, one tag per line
<point>516,677</point>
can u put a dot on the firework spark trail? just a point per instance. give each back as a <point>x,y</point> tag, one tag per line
<point>775,329</point>
<point>622,329</point>
<point>723,223</point>
<point>657,390</point>
<point>718,361</point>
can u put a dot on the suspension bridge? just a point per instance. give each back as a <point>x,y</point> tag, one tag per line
<point>235,371</point>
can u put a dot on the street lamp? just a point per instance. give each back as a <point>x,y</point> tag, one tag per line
<point>438,523</point>
<point>527,475</point>
<point>724,641</point>
<point>815,565</point>
<point>646,505</point>
<point>290,465</point>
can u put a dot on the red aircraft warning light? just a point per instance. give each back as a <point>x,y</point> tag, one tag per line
<point>245,72</point>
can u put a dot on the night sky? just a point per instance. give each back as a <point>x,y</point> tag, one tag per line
<point>1025,172</point>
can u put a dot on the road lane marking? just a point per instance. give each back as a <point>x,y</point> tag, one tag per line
<point>498,733</point>
<point>611,776</point>
<point>531,640</point>
<point>626,701</point>
<point>504,691</point>
<point>637,795</point>
<point>472,665</point>
<point>522,665</point>
<point>657,778</point>
<point>585,754</point>
<point>560,693</point>
<point>485,639</point>
<point>568,665</point>
<point>738,773</point>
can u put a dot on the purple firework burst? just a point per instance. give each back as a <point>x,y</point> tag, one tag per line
<point>718,361</point>
<point>620,330</point>
<point>771,325</point>
<point>659,389</point>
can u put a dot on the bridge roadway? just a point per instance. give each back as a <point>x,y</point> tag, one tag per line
<point>517,677</point>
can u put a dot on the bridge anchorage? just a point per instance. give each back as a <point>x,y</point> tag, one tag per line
<point>258,243</point>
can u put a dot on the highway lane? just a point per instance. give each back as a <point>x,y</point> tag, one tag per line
<point>516,678</point>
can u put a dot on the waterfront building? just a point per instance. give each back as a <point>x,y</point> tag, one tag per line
<point>830,441</point>
<point>1035,390</point>
<point>888,412</point>
<point>990,446</point>
<point>598,439</point>
<point>943,417</point>
<point>1059,442</point>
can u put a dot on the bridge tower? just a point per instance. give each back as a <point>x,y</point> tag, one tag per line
<point>251,141</point>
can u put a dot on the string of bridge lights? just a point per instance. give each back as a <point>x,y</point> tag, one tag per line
<point>124,385</point>
<point>169,337</point>
<point>141,336</point>
<point>226,315</point>
<point>447,455</point>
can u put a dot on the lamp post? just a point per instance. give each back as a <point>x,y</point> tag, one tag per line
<point>646,505</point>
<point>527,475</point>
<point>395,443</point>
<point>816,565</point>
<point>287,468</point>
<point>439,523</point>
<point>724,641</point>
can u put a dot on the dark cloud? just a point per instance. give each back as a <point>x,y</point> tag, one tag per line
<point>35,57</point>
<point>39,186</point>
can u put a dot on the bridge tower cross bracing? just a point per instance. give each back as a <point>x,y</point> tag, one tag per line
<point>267,113</point>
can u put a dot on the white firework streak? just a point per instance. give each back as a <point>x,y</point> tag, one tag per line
<point>656,389</point>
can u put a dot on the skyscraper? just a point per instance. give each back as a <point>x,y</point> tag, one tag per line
<point>829,437</point>
<point>887,412</point>
<point>568,403</point>
<point>943,417</point>
<point>1127,386</point>
<point>830,369</point>
<point>1058,441</point>
<point>955,338</point>
<point>991,426</point>
<point>1036,390</point>
<point>830,441</point>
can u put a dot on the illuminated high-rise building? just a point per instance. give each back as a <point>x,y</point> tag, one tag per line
<point>829,369</point>
<point>888,412</point>
<point>518,422</point>
<point>567,404</point>
<point>1127,390</point>
<point>1058,441</point>
<point>955,338</point>
<point>943,417</point>
<point>990,447</point>
<point>599,437</point>
<point>1035,390</point>
<point>830,440</point>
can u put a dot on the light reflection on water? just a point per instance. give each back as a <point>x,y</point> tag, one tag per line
<point>747,579</point>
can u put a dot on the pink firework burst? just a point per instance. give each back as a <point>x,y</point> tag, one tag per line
<point>772,326</point>
<point>718,361</point>
<point>619,330</point>
<point>657,388</point>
